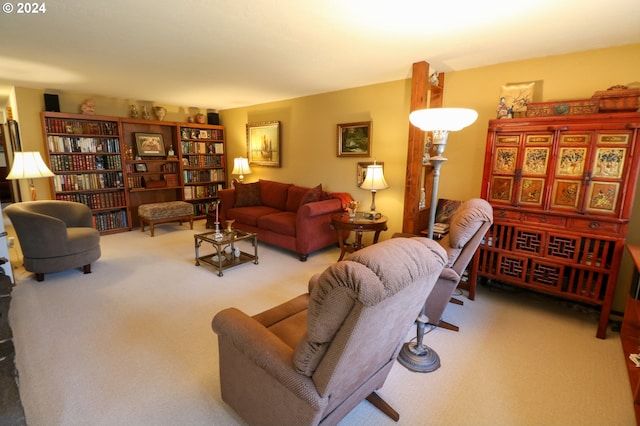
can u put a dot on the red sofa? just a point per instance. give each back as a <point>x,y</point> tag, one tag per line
<point>283,214</point>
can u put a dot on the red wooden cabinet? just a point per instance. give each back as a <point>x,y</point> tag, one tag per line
<point>562,189</point>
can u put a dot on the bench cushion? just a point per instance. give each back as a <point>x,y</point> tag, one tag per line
<point>165,210</point>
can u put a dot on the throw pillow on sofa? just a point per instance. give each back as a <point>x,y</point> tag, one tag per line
<point>312,195</point>
<point>247,194</point>
<point>299,195</point>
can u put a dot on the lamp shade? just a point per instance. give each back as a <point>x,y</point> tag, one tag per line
<point>28,165</point>
<point>241,166</point>
<point>374,179</point>
<point>452,119</point>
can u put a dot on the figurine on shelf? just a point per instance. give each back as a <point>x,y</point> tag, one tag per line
<point>160,112</point>
<point>502,109</point>
<point>145,113</point>
<point>88,106</point>
<point>134,113</point>
<point>171,152</point>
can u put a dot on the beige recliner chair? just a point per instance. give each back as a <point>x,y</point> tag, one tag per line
<point>311,360</point>
<point>55,235</point>
<point>468,226</point>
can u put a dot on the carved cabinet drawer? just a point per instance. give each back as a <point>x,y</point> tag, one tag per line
<point>506,214</point>
<point>546,219</point>
<point>594,225</point>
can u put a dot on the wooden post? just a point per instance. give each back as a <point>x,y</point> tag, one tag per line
<point>423,95</point>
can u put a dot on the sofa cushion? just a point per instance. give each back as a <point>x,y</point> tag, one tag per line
<point>274,194</point>
<point>312,195</point>
<point>295,194</point>
<point>299,195</point>
<point>247,194</point>
<point>283,223</point>
<point>249,215</point>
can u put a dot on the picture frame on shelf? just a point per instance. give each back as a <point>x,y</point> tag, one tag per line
<point>361,170</point>
<point>264,144</point>
<point>354,139</point>
<point>141,167</point>
<point>150,144</point>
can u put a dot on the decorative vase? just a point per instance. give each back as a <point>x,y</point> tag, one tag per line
<point>160,112</point>
<point>201,119</point>
<point>134,112</point>
<point>145,113</point>
<point>229,225</point>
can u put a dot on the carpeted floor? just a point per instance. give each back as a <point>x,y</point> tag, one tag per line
<point>131,344</point>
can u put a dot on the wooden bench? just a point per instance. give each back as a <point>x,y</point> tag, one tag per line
<point>170,211</point>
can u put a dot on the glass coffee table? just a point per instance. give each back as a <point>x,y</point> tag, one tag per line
<point>227,254</point>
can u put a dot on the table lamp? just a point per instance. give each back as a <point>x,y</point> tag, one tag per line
<point>29,165</point>
<point>374,181</point>
<point>241,167</point>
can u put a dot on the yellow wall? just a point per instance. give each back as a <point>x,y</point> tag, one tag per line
<point>309,126</point>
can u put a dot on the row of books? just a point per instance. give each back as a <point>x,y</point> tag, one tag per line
<point>101,200</point>
<point>82,144</point>
<point>201,209</point>
<point>64,162</point>
<point>87,181</point>
<point>189,147</point>
<point>192,133</point>
<point>211,175</point>
<point>206,160</point>
<point>56,125</point>
<point>194,192</point>
<point>110,220</point>
<point>171,167</point>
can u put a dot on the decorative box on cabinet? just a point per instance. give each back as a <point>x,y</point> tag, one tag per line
<point>84,153</point>
<point>562,189</point>
<point>203,165</point>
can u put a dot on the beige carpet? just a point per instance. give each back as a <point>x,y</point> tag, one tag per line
<point>131,344</point>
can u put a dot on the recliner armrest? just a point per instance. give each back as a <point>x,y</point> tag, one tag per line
<point>265,350</point>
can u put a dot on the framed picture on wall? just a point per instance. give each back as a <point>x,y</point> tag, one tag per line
<point>150,144</point>
<point>354,139</point>
<point>263,143</point>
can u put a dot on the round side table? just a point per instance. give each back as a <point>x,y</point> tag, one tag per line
<point>342,222</point>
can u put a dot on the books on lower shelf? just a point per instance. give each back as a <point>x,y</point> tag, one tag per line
<point>440,228</point>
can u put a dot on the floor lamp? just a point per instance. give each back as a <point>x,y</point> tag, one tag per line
<point>439,121</point>
<point>29,165</point>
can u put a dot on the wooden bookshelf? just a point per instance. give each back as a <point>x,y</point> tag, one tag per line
<point>202,149</point>
<point>84,153</point>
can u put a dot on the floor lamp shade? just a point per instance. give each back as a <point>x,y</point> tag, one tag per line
<point>29,165</point>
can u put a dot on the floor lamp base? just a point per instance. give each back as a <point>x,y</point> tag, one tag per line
<point>419,360</point>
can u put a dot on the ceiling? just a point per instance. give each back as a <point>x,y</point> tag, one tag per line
<point>223,54</point>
